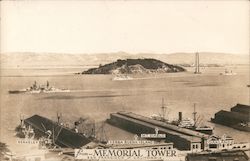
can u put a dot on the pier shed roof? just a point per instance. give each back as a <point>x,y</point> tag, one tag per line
<point>63,137</point>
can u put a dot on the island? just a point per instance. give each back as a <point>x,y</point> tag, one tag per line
<point>135,66</point>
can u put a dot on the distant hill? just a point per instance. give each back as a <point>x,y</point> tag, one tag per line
<point>131,66</point>
<point>206,58</point>
<point>62,59</point>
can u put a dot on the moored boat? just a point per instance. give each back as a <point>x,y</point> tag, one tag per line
<point>188,123</point>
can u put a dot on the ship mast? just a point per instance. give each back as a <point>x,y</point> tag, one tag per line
<point>164,109</point>
<point>194,115</point>
<point>21,120</point>
<point>58,117</point>
<point>47,84</point>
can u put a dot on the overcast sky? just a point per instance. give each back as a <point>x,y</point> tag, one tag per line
<point>130,26</point>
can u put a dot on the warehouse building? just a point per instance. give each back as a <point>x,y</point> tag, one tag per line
<point>183,139</point>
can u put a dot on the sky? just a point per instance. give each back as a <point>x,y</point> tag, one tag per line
<point>129,26</point>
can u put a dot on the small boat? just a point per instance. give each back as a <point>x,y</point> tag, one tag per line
<point>242,127</point>
<point>121,78</point>
<point>228,73</point>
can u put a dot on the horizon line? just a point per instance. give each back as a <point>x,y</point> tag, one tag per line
<point>121,52</point>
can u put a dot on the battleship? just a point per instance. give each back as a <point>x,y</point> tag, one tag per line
<point>238,118</point>
<point>39,89</point>
<point>188,123</point>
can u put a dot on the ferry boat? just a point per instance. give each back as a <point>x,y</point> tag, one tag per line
<point>39,89</point>
<point>228,73</point>
<point>121,78</point>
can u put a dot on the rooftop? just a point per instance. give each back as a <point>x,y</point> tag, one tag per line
<point>165,125</point>
<point>167,131</point>
<point>241,108</point>
<point>63,137</point>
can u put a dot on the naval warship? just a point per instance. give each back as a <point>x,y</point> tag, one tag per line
<point>39,89</point>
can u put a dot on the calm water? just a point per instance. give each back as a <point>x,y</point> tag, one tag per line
<point>96,96</point>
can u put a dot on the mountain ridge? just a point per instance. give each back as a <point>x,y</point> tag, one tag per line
<point>62,59</point>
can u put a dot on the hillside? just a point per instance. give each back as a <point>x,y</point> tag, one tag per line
<point>63,60</point>
<point>132,66</point>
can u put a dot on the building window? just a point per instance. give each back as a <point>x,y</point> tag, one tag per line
<point>212,146</point>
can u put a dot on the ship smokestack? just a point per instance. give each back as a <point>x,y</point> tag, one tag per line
<point>180,116</point>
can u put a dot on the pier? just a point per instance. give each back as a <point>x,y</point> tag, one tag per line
<point>183,139</point>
